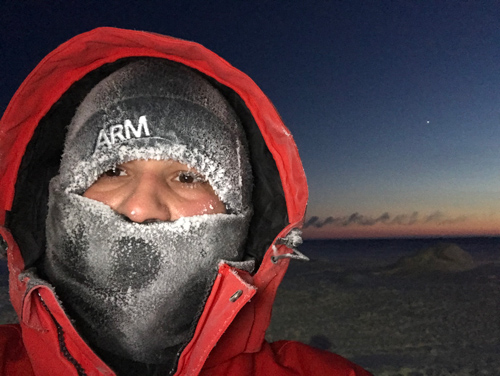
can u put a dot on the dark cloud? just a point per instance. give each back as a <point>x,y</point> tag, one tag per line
<point>311,221</point>
<point>404,219</point>
<point>437,216</point>
<point>356,219</point>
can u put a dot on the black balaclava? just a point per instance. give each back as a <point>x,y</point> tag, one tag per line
<point>136,290</point>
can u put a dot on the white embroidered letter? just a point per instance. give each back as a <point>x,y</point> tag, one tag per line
<point>103,140</point>
<point>127,126</point>
<point>116,133</point>
<point>143,123</point>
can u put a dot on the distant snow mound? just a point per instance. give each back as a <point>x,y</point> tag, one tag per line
<point>441,257</point>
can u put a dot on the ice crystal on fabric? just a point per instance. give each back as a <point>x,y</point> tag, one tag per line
<point>143,283</point>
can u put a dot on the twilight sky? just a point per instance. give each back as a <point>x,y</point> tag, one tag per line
<point>394,105</point>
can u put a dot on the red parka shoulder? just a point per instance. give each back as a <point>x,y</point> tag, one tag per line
<point>230,335</point>
<point>13,357</point>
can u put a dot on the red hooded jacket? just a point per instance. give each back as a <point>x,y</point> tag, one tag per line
<point>229,337</point>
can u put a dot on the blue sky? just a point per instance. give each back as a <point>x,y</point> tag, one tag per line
<point>394,105</point>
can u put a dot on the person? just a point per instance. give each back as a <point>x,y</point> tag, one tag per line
<point>151,202</point>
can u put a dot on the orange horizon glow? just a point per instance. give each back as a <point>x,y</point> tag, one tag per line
<point>401,231</point>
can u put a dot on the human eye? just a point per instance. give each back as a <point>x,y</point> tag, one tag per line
<point>190,177</point>
<point>115,172</point>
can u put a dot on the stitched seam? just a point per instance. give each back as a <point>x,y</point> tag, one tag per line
<point>62,344</point>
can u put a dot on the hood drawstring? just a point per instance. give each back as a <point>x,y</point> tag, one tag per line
<point>292,240</point>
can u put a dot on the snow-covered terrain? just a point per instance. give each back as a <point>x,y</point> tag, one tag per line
<point>400,319</point>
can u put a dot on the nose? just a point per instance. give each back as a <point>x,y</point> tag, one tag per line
<point>147,201</point>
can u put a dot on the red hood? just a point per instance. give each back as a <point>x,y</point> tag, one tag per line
<point>34,101</point>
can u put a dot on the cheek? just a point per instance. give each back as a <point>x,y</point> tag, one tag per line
<point>103,196</point>
<point>216,206</point>
<point>203,203</point>
<point>92,193</point>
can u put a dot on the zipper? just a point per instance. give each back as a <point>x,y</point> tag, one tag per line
<point>62,344</point>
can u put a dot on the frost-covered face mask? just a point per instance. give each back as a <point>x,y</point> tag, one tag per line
<point>137,289</point>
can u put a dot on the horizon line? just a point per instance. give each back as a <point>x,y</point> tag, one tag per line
<point>405,237</point>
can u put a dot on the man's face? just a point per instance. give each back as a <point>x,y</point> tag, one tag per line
<point>150,190</point>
